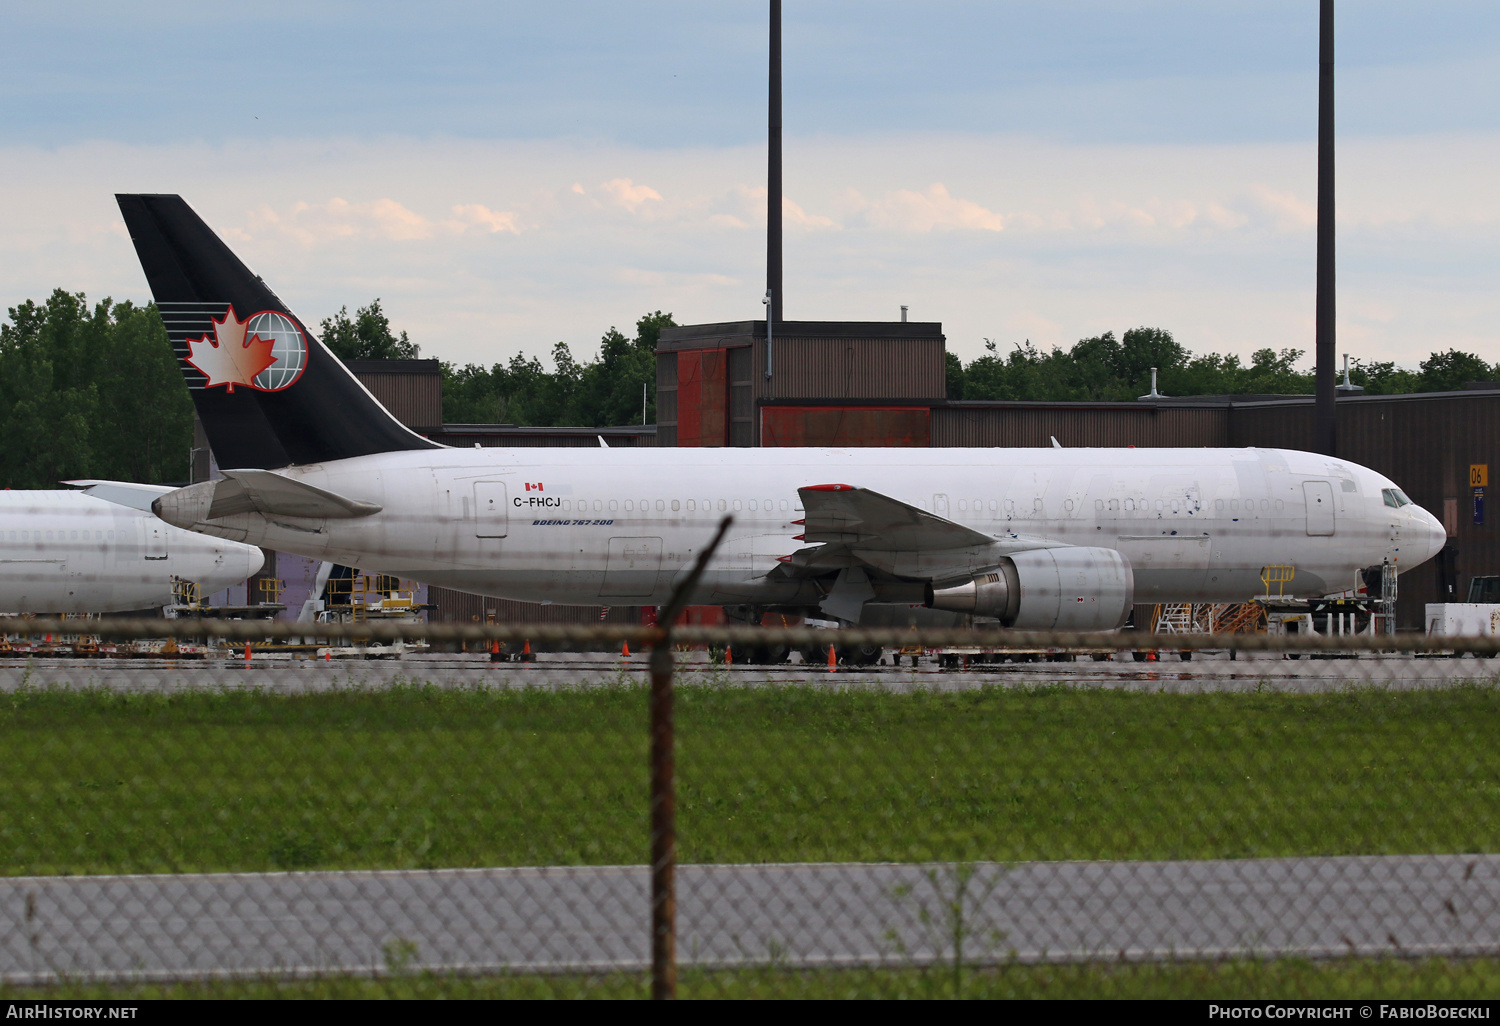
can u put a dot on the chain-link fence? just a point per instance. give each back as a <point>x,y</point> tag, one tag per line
<point>252,810</point>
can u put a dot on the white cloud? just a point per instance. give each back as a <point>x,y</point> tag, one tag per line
<point>477,215</point>
<point>313,223</point>
<point>752,203</point>
<point>1288,212</point>
<point>627,194</point>
<point>910,211</point>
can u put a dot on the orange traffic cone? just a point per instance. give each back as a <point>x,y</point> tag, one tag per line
<point>728,656</point>
<point>247,651</point>
<point>625,650</point>
<point>328,654</point>
<point>494,651</point>
<point>526,655</point>
<point>833,660</point>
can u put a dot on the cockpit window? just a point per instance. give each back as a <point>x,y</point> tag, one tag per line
<point>1395,497</point>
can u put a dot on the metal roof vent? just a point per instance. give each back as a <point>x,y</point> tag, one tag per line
<point>1153,394</point>
<point>1347,387</point>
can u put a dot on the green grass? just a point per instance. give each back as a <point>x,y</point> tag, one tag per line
<point>1280,979</point>
<point>416,777</point>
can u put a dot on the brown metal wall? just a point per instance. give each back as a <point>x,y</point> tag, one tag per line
<point>862,360</point>
<point>415,399</point>
<point>666,399</point>
<point>852,368</point>
<point>846,426</point>
<point>1077,425</point>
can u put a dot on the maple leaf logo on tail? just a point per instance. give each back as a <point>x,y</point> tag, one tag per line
<point>229,358</point>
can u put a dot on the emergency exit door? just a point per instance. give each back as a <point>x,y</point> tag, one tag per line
<point>491,511</point>
<point>156,540</point>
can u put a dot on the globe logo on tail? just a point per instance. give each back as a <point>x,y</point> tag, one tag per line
<point>266,352</point>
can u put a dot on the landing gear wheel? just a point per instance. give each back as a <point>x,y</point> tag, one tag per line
<point>858,655</point>
<point>768,655</point>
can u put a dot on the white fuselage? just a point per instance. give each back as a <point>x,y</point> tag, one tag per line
<point>620,526</point>
<point>68,552</point>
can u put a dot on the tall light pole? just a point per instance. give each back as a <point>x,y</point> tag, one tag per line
<point>773,172</point>
<point>1325,419</point>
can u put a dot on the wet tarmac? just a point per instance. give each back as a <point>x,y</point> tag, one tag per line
<point>1204,672</point>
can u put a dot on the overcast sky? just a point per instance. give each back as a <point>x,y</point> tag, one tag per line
<point>505,176</point>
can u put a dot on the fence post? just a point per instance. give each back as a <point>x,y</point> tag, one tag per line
<point>663,827</point>
<point>663,780</point>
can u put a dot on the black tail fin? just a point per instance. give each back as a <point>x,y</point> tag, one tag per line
<point>268,392</point>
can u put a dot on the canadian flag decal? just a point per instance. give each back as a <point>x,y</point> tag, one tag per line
<point>533,487</point>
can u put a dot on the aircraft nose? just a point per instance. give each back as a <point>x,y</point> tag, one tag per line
<point>1430,535</point>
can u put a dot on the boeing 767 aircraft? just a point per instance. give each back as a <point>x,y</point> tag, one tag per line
<point>1035,538</point>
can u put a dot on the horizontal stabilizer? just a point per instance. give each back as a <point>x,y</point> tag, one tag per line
<point>859,517</point>
<point>123,493</point>
<point>260,491</point>
<point>255,491</point>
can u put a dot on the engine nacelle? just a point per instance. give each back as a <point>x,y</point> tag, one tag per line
<point>1063,589</point>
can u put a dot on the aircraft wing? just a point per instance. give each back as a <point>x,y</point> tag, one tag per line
<point>865,519</point>
<point>850,526</point>
<point>123,493</point>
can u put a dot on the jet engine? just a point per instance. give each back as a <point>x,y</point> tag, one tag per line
<point>1064,589</point>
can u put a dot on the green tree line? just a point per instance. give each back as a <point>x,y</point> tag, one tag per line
<point>90,392</point>
<point>94,390</point>
<point>1105,368</point>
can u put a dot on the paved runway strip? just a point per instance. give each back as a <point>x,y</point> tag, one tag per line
<point>1206,672</point>
<point>595,918</point>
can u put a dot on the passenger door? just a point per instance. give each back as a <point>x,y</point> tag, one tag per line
<point>1319,496</point>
